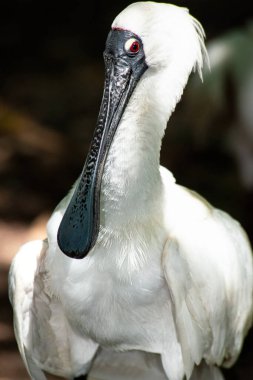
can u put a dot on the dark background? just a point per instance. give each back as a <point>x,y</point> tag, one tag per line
<point>51,80</point>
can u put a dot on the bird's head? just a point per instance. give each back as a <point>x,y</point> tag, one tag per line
<point>169,34</point>
<point>149,54</point>
<point>172,42</point>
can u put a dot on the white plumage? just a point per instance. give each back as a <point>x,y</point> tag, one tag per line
<point>168,274</point>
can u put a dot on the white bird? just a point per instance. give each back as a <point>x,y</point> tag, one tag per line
<point>134,261</point>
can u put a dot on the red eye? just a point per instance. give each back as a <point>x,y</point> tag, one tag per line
<point>132,46</point>
<point>135,47</point>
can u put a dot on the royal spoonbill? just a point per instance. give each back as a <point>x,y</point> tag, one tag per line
<point>132,260</point>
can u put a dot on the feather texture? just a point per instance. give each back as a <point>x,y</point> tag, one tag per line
<point>168,274</point>
<point>42,331</point>
<point>208,266</point>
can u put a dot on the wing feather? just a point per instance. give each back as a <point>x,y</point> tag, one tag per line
<point>208,267</point>
<point>21,279</point>
<point>46,340</point>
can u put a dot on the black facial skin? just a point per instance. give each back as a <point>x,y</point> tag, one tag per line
<point>79,227</point>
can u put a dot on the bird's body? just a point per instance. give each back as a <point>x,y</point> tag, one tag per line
<point>167,273</point>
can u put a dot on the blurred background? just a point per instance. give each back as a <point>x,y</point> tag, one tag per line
<point>51,80</point>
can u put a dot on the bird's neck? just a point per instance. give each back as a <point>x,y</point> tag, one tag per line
<point>131,183</point>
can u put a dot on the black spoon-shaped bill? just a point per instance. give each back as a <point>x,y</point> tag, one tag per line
<point>79,227</point>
